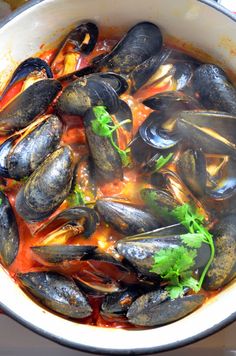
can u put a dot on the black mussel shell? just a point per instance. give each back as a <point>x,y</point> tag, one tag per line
<point>156,308</point>
<point>31,103</point>
<point>5,149</point>
<point>141,42</point>
<point>116,81</point>
<point>211,131</point>
<point>214,89</point>
<point>124,113</point>
<point>61,253</point>
<point>9,236</point>
<point>118,303</point>
<point>57,292</point>
<point>152,132</point>
<point>106,159</point>
<point>86,92</point>
<point>222,269</point>
<point>30,151</point>
<point>126,219</point>
<point>47,187</point>
<point>191,167</point>
<point>24,69</point>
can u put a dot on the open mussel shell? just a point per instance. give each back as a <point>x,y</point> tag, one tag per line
<point>146,70</point>
<point>100,273</point>
<point>156,308</point>
<point>34,146</point>
<point>24,69</point>
<point>116,81</point>
<point>118,303</point>
<point>141,152</point>
<point>171,101</point>
<point>141,42</point>
<point>9,236</point>
<point>86,92</point>
<point>106,159</point>
<point>31,103</point>
<point>125,218</point>
<point>191,167</point>
<point>152,132</point>
<point>223,267</point>
<point>161,203</point>
<point>47,187</point>
<point>57,292</point>
<point>211,131</point>
<point>140,249</point>
<point>214,89</point>
<point>79,216</point>
<point>223,185</point>
<point>124,113</point>
<point>84,178</point>
<point>61,253</point>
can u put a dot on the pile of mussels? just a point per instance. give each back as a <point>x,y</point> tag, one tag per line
<point>194,120</point>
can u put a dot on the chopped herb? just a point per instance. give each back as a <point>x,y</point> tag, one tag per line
<point>102,126</point>
<point>162,161</point>
<point>175,264</point>
<point>0,201</point>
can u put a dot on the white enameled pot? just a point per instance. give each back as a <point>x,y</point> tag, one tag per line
<point>200,24</point>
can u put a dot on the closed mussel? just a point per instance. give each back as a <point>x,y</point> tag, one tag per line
<point>223,267</point>
<point>119,303</point>
<point>57,292</point>
<point>9,236</point>
<point>47,187</point>
<point>106,159</point>
<point>31,103</point>
<point>125,218</point>
<point>156,308</point>
<point>33,147</point>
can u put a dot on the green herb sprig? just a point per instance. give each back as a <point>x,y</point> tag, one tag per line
<point>76,197</point>
<point>103,126</point>
<point>162,161</point>
<point>175,264</point>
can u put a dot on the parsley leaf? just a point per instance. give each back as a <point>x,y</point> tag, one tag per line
<point>77,197</point>
<point>162,161</point>
<point>192,240</point>
<point>103,126</point>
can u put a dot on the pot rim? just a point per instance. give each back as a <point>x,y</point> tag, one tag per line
<point>90,349</point>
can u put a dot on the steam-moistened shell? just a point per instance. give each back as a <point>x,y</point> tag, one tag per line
<point>86,92</point>
<point>27,67</point>
<point>140,249</point>
<point>118,303</point>
<point>214,89</point>
<point>47,187</point>
<point>126,219</point>
<point>9,236</point>
<point>192,170</point>
<point>141,42</point>
<point>57,292</point>
<point>61,253</point>
<point>211,131</point>
<point>32,150</point>
<point>31,103</point>
<point>222,269</point>
<point>5,149</point>
<point>106,159</point>
<point>155,308</point>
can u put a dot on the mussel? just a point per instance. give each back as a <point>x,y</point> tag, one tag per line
<point>31,103</point>
<point>140,249</point>
<point>47,187</point>
<point>27,67</point>
<point>23,153</point>
<point>222,269</point>
<point>156,308</point>
<point>68,223</point>
<point>211,131</point>
<point>86,92</point>
<point>125,218</point>
<point>9,236</point>
<point>80,40</point>
<point>141,42</point>
<point>57,292</point>
<point>118,303</point>
<point>61,253</point>
<point>106,159</point>
<point>214,89</point>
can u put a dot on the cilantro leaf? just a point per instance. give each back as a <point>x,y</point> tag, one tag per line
<point>192,240</point>
<point>175,291</point>
<point>77,197</point>
<point>162,161</point>
<point>191,283</point>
